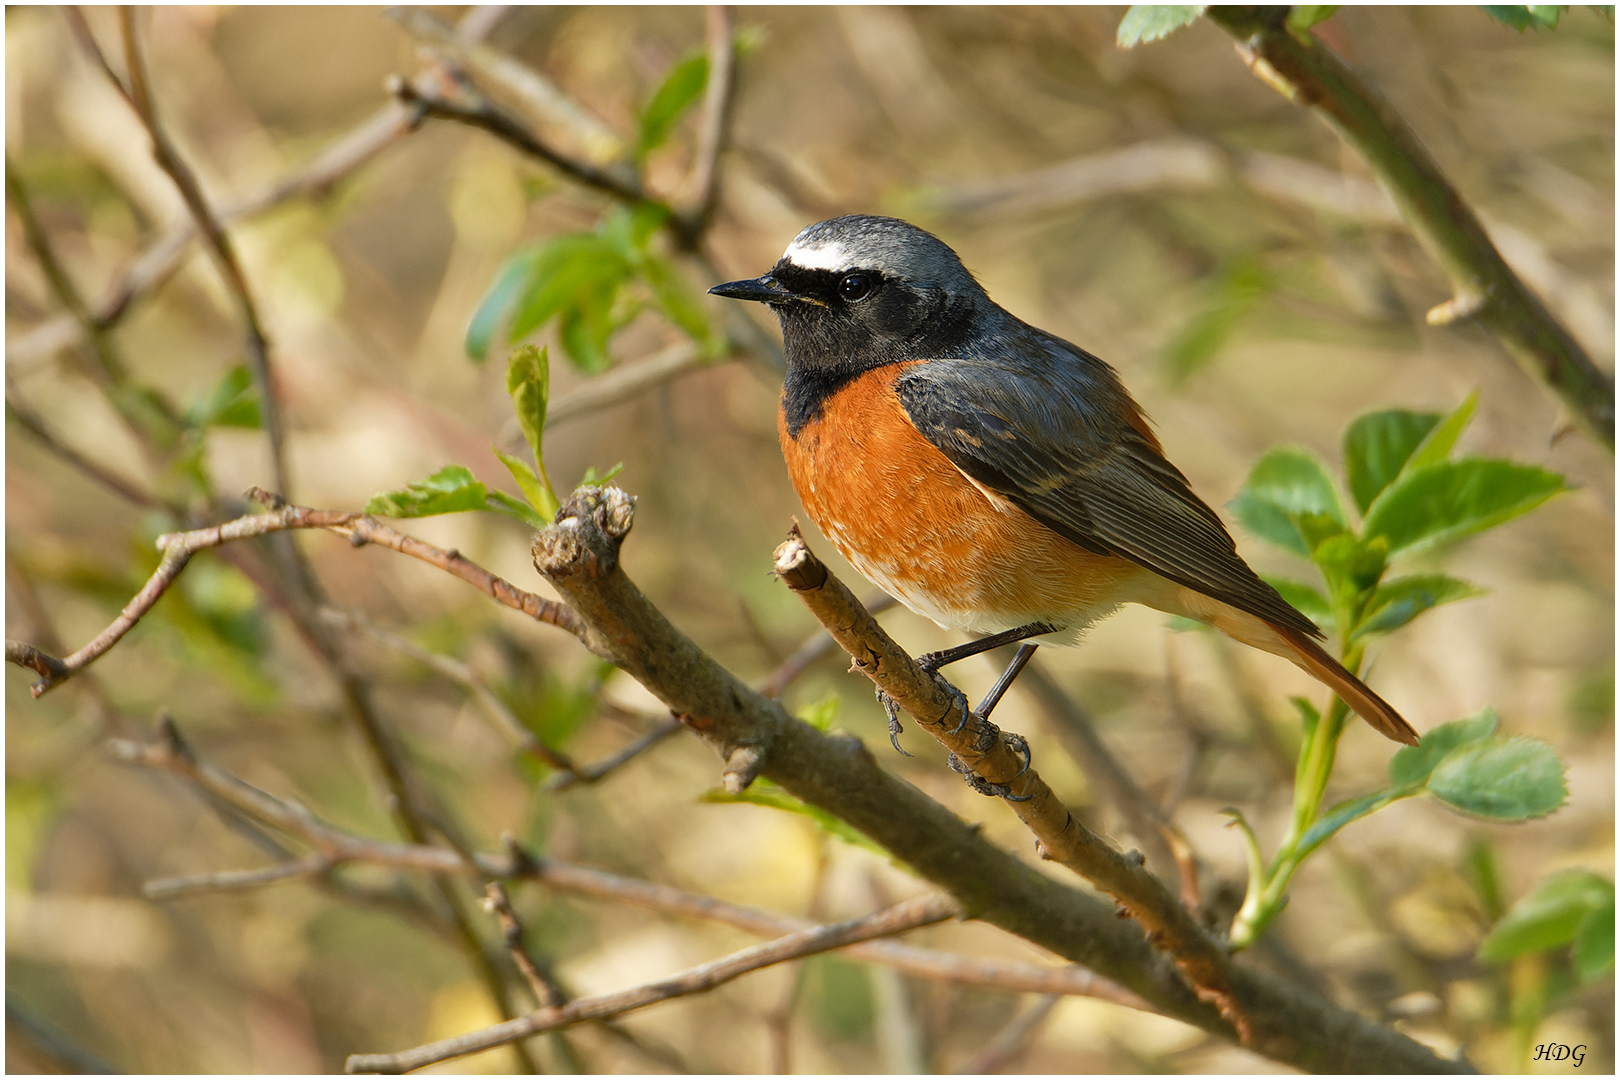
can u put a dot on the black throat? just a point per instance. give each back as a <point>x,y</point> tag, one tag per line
<point>831,344</point>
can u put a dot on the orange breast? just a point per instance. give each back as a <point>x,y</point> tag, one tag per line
<point>909,520</point>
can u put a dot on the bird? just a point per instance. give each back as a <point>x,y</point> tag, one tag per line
<point>991,476</point>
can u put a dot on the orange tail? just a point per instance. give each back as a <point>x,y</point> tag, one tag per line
<point>1371,708</point>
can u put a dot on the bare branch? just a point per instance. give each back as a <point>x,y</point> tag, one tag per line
<point>449,96</point>
<point>909,915</point>
<point>815,646</point>
<point>34,424</point>
<point>1484,287</point>
<point>1005,1045</point>
<point>541,97</point>
<point>596,770</point>
<point>627,380</point>
<point>464,676</point>
<point>219,242</point>
<point>703,183</point>
<point>547,994</point>
<point>235,880</point>
<point>579,555</point>
<point>1078,734</point>
<point>982,748</point>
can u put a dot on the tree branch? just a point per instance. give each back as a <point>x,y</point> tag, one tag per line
<point>909,915</point>
<point>1484,287</point>
<point>987,752</point>
<point>579,556</point>
<point>178,548</point>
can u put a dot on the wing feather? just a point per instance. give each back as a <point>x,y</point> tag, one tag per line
<point>1054,431</point>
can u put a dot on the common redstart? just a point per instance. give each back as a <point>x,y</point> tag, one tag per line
<point>989,475</point>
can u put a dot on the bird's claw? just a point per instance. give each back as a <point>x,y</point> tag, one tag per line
<point>985,787</point>
<point>893,712</point>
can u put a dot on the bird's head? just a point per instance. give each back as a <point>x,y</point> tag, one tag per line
<point>857,292</point>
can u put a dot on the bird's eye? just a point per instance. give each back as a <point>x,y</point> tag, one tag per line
<point>855,287</point>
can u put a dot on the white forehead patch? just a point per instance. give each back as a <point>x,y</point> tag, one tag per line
<point>825,256</point>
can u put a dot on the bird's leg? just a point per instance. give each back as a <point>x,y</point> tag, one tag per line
<point>893,712</point>
<point>994,696</point>
<point>932,662</point>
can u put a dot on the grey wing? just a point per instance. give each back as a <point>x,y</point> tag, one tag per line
<point>1052,433</point>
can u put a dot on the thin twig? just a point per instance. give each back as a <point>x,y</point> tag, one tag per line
<point>815,646</point>
<point>1005,1045</point>
<point>541,97</point>
<point>34,424</point>
<point>338,846</point>
<point>628,380</point>
<point>1484,287</point>
<point>547,994</point>
<point>718,98</point>
<point>236,880</point>
<point>920,911</point>
<point>1076,730</point>
<point>596,770</point>
<point>178,548</point>
<point>982,748</point>
<point>219,243</point>
<point>464,676</point>
<point>446,95</point>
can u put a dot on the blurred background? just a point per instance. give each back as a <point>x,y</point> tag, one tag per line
<point>1161,207</point>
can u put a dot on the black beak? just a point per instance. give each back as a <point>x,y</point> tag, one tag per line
<point>766,290</point>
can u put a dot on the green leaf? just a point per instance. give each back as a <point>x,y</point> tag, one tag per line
<point>764,793</point>
<point>1594,941</point>
<point>1304,599</point>
<point>1340,816</point>
<point>541,498</point>
<point>1521,17</point>
<point>585,329</point>
<point>1286,483</point>
<point>1501,779</point>
<point>528,382</point>
<point>502,503</point>
<point>450,490</point>
<point>680,88</point>
<point>1398,601</point>
<point>1549,915</point>
<point>821,714</point>
<point>1376,447</point>
<point>629,229</point>
<point>1301,17</point>
<point>1449,500</point>
<point>496,306</point>
<point>1438,444</point>
<point>569,271</point>
<point>1236,292</point>
<point>234,402</point>
<point>593,477</point>
<point>1150,22</point>
<point>1412,765</point>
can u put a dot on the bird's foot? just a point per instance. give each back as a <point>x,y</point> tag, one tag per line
<point>985,787</point>
<point>893,712</point>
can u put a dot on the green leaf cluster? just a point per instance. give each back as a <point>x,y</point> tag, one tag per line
<point>1471,769</point>
<point>1150,22</point>
<point>593,284</point>
<point>1410,495</point>
<point>454,488</point>
<point>1572,907</point>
